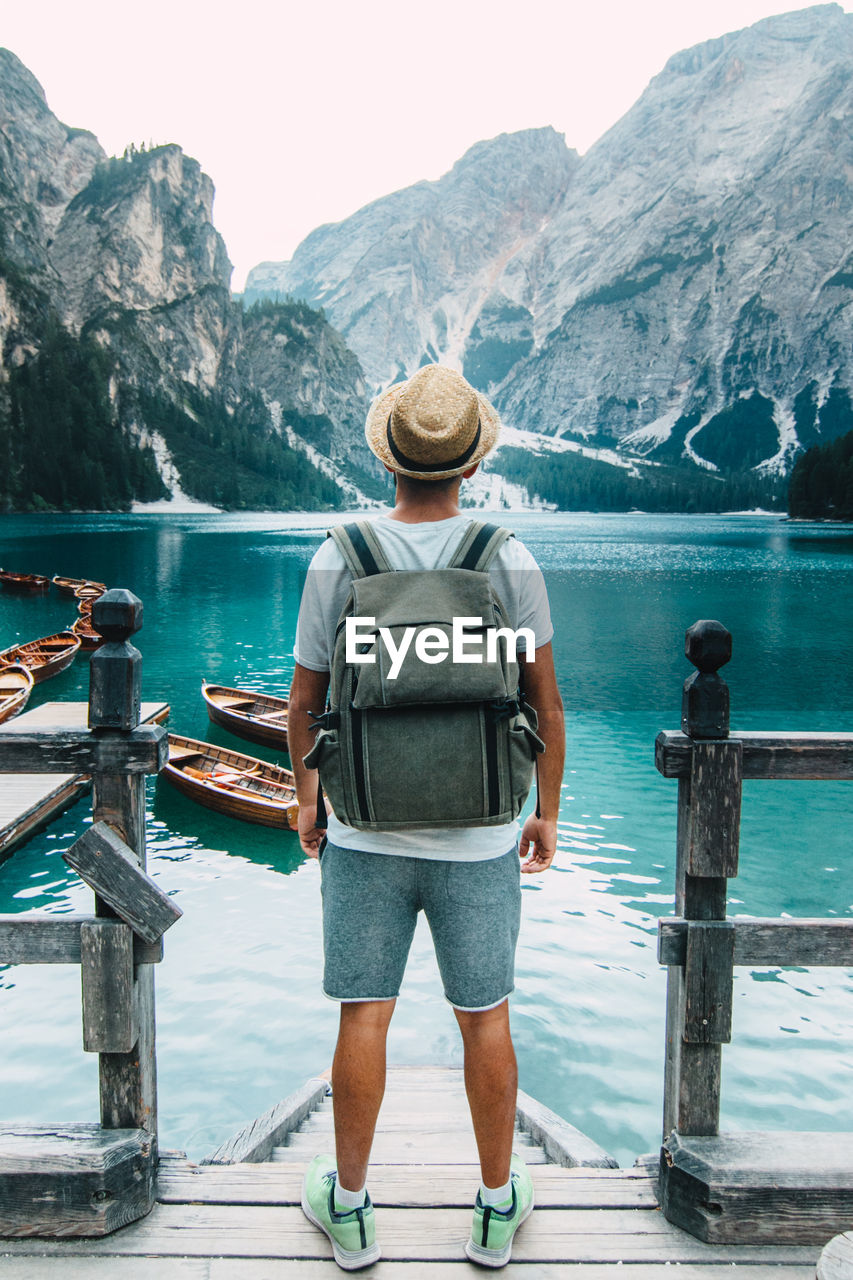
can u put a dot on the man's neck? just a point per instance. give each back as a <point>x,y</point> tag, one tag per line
<point>418,506</point>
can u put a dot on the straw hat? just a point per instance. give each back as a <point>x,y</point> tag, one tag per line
<point>433,426</point>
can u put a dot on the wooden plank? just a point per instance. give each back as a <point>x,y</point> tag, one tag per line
<point>104,1268</point>
<point>714,827</point>
<point>75,714</point>
<point>708,982</point>
<point>801,943</point>
<point>445,1146</point>
<point>780,1187</point>
<point>836,1259</point>
<point>796,756</point>
<point>44,939</point>
<point>552,1235</point>
<point>111,868</point>
<point>73,1180</point>
<point>562,1142</point>
<point>258,1139</point>
<point>426,1186</point>
<point>106,969</point>
<point>55,749</point>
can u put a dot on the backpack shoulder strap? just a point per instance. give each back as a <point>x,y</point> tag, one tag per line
<point>479,546</point>
<point>360,548</point>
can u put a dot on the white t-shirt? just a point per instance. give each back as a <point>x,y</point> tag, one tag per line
<point>428,545</point>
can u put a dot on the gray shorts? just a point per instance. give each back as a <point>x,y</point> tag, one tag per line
<point>370,906</point>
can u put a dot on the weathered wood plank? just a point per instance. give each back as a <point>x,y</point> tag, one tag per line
<point>43,939</point>
<point>104,1268</point>
<point>72,1180</point>
<point>437,1146</point>
<point>796,755</point>
<point>552,1235</point>
<point>56,749</point>
<point>708,982</point>
<point>562,1142</point>
<point>258,1139</point>
<point>429,1186</point>
<point>802,943</point>
<point>106,971</point>
<point>110,867</point>
<point>714,827</point>
<point>775,1187</point>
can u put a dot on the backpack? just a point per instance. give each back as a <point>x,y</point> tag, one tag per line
<point>423,741</point>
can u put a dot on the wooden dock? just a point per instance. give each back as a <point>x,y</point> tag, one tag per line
<point>242,1221</point>
<point>28,801</point>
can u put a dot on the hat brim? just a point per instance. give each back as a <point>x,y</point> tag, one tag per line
<point>377,440</point>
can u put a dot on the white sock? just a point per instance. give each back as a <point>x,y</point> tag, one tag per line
<point>349,1199</point>
<point>497,1197</point>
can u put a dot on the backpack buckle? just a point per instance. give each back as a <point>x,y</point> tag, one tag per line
<point>327,719</point>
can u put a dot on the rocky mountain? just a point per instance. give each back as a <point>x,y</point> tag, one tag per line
<point>127,372</point>
<point>406,280</point>
<point>681,293</point>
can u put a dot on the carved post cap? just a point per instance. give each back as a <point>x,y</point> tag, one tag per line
<point>117,614</point>
<point>708,645</point>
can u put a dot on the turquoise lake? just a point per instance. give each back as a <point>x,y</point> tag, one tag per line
<point>241,1020</point>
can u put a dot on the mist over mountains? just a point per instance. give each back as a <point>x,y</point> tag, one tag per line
<point>663,322</point>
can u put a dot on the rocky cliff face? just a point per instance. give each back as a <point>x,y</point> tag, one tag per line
<point>405,279</point>
<point>114,278</point>
<point>682,291</point>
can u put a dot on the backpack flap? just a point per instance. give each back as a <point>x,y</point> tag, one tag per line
<point>433,639</point>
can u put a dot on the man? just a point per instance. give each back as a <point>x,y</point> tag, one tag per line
<point>431,433</point>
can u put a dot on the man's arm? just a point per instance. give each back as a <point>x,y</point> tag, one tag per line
<point>307,693</point>
<point>539,835</point>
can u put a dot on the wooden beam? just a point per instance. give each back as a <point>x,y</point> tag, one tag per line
<point>804,943</point>
<point>106,968</point>
<point>563,1143</point>
<point>714,822</point>
<point>144,749</point>
<point>47,939</point>
<point>803,756</point>
<point>708,982</point>
<point>256,1141</point>
<point>110,867</point>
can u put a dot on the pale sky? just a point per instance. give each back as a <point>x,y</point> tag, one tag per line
<point>303,112</point>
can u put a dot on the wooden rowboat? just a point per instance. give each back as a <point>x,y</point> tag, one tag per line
<point>89,638</point>
<point>45,657</point>
<point>23,581</point>
<point>232,783</point>
<point>69,586</point>
<point>260,717</point>
<point>16,685</point>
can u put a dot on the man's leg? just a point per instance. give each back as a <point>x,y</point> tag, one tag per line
<point>491,1082</point>
<point>358,1085</point>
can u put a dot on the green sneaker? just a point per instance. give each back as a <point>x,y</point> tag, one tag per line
<point>352,1232</point>
<point>492,1230</point>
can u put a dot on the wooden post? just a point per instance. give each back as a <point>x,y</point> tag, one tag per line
<point>707,847</point>
<point>128,1081</point>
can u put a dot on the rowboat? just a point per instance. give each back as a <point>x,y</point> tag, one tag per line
<point>89,638</point>
<point>260,717</point>
<point>23,581</point>
<point>45,657</point>
<point>16,685</point>
<point>232,783</point>
<point>69,586</point>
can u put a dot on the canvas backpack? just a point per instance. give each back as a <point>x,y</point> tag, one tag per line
<point>443,743</point>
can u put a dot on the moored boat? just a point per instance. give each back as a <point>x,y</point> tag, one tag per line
<point>16,685</point>
<point>23,581</point>
<point>70,586</point>
<point>45,657</point>
<point>259,717</point>
<point>89,638</point>
<point>232,783</point>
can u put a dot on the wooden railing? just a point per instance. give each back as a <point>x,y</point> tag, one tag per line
<point>701,947</point>
<point>87,1179</point>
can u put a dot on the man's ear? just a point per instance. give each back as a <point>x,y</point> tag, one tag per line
<point>466,475</point>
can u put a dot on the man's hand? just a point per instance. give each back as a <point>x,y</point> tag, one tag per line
<point>310,834</point>
<point>539,839</point>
